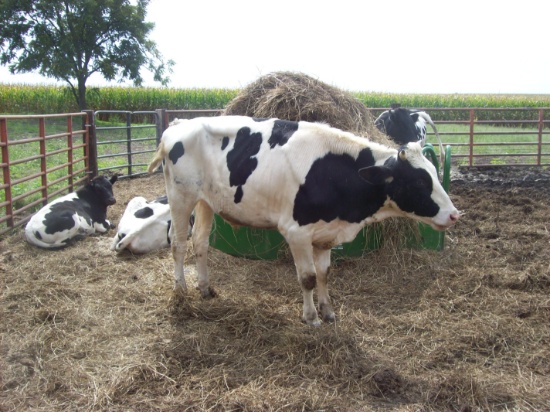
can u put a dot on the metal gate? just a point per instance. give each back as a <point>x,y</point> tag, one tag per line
<point>123,141</point>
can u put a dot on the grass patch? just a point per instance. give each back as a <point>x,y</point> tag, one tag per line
<point>495,144</point>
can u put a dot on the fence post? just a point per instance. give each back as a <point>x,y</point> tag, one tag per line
<point>472,117</point>
<point>129,141</point>
<point>43,164</point>
<point>161,126</point>
<point>6,171</point>
<point>540,127</point>
<point>92,144</point>
<point>70,152</point>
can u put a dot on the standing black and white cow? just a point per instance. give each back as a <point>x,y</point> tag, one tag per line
<point>317,185</point>
<point>73,216</point>
<point>144,226</point>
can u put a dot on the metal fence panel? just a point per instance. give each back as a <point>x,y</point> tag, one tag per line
<point>43,156</point>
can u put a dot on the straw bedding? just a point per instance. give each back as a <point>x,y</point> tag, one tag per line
<point>463,329</point>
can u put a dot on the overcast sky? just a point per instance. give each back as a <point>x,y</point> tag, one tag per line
<point>384,46</point>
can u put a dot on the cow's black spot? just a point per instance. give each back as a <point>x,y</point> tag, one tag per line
<point>333,190</point>
<point>239,194</point>
<point>240,159</point>
<point>176,152</point>
<point>144,213</point>
<point>225,142</point>
<point>60,216</point>
<point>282,131</point>
<point>38,235</point>
<point>309,282</point>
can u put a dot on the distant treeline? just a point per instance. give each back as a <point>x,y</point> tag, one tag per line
<point>41,99</point>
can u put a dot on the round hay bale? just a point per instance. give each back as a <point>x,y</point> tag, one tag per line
<point>297,96</point>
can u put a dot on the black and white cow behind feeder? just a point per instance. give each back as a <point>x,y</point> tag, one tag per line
<point>317,185</point>
<point>73,216</point>
<point>407,125</point>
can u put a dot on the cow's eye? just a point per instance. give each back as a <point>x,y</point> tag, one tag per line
<point>420,184</point>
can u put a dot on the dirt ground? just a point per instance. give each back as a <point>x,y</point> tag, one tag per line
<point>464,329</point>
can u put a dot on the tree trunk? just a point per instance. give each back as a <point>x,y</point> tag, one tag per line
<point>82,94</point>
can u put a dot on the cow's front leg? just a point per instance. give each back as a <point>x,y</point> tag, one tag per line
<point>302,253</point>
<point>322,266</point>
<point>102,227</point>
<point>201,232</point>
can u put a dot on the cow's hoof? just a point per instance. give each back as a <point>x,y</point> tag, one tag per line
<point>327,313</point>
<point>179,289</point>
<point>329,317</point>
<point>209,293</point>
<point>315,323</point>
<point>312,322</point>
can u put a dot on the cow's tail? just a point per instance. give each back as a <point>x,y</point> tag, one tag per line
<point>428,120</point>
<point>157,159</point>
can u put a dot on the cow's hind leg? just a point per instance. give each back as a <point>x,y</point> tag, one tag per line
<point>201,232</point>
<point>180,211</point>
<point>302,252</point>
<point>322,266</point>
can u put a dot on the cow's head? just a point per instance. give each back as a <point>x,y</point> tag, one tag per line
<point>413,188</point>
<point>399,124</point>
<point>103,188</point>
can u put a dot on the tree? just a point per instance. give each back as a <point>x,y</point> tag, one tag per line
<point>69,40</point>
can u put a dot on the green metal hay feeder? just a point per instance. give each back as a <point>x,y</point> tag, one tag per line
<point>266,244</point>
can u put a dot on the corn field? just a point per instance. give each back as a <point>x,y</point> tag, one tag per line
<point>31,99</point>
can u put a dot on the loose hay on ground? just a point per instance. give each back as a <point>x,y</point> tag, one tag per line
<point>462,329</point>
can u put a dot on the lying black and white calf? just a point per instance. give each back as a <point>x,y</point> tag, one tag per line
<point>73,216</point>
<point>144,226</point>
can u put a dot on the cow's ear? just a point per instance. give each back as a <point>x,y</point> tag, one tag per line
<point>376,175</point>
<point>113,179</point>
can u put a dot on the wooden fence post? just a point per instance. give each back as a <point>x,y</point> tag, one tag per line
<point>92,144</point>
<point>161,127</point>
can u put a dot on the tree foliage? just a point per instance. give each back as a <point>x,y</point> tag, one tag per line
<point>70,40</point>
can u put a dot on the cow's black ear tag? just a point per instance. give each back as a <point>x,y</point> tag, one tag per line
<point>376,175</point>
